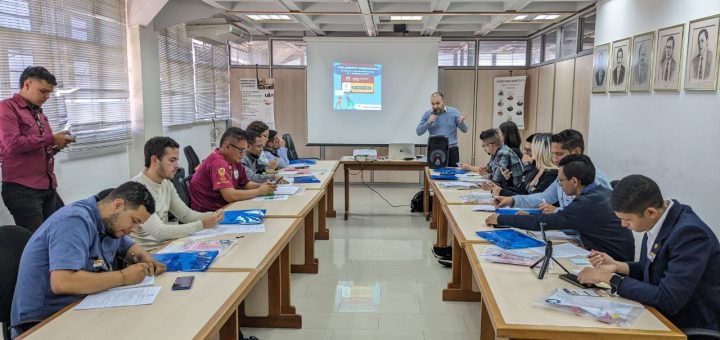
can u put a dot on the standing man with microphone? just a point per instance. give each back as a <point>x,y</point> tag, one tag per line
<point>443,120</point>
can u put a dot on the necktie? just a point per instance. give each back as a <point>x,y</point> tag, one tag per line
<point>667,70</point>
<point>700,69</point>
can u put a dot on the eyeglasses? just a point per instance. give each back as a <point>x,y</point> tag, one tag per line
<point>242,150</point>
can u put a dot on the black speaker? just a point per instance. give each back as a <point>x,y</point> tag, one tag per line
<point>438,152</point>
<point>400,28</point>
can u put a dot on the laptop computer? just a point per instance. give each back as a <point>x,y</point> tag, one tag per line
<point>399,151</point>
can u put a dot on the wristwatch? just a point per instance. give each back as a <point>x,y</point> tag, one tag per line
<point>615,282</point>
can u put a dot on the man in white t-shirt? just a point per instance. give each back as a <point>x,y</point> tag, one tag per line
<point>161,164</point>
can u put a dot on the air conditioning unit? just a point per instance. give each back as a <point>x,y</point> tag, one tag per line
<point>218,33</point>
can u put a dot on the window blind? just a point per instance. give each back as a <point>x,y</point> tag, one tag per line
<point>177,92</point>
<point>211,81</point>
<point>82,42</point>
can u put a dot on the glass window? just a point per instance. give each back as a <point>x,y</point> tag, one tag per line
<point>456,53</point>
<point>15,14</point>
<point>550,45</point>
<point>535,48</point>
<point>569,39</point>
<point>588,32</point>
<point>250,53</point>
<point>502,53</point>
<point>289,53</point>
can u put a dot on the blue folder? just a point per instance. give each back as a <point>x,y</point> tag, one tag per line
<point>306,179</point>
<point>196,261</point>
<point>444,177</point>
<point>514,211</point>
<point>303,161</point>
<point>450,171</point>
<point>510,239</point>
<point>252,216</point>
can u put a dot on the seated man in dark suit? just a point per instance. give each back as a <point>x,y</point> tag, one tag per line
<point>679,260</point>
<point>589,213</point>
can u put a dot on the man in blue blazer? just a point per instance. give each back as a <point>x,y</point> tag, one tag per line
<point>679,268</point>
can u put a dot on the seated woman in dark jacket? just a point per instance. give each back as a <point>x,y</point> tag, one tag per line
<point>537,180</point>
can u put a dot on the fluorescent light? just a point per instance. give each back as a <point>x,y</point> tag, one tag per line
<point>254,17</point>
<point>261,17</point>
<point>541,17</point>
<point>406,17</point>
<point>520,17</point>
<point>552,16</point>
<point>395,18</point>
<point>416,17</point>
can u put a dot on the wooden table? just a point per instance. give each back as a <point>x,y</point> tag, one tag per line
<point>386,164</point>
<point>327,185</point>
<point>207,309</point>
<point>303,205</point>
<point>508,294</point>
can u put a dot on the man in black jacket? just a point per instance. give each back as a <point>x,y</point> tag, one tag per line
<point>590,213</point>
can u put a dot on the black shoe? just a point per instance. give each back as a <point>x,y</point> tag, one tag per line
<point>440,252</point>
<point>446,263</point>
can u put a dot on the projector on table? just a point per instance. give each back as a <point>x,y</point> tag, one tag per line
<point>365,154</point>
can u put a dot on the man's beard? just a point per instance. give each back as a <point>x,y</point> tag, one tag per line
<point>110,223</point>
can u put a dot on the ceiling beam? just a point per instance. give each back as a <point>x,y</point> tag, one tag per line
<point>368,19</point>
<point>311,27</point>
<point>216,4</point>
<point>244,22</point>
<point>430,23</point>
<point>142,12</point>
<point>510,6</point>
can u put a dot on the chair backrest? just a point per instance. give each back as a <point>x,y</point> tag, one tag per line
<point>614,183</point>
<point>186,187</point>
<point>12,242</point>
<point>292,153</point>
<point>179,183</point>
<point>192,159</point>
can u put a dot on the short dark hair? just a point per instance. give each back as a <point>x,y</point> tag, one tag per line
<point>257,126</point>
<point>490,135</point>
<point>511,133</point>
<point>37,72</point>
<point>438,94</point>
<point>272,134</point>
<point>530,138</point>
<point>578,166</point>
<point>134,194</point>
<point>620,50</point>
<point>703,31</point>
<point>635,193</point>
<point>234,133</point>
<point>252,136</point>
<point>569,139</point>
<point>156,147</point>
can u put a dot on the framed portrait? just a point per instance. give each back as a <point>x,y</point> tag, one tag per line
<point>701,66</point>
<point>669,56</point>
<point>618,73</point>
<point>642,62</point>
<point>600,68</point>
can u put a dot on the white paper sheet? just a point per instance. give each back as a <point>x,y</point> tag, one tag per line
<point>563,250</point>
<point>271,198</point>
<point>286,190</point>
<point>148,281</point>
<point>484,207</point>
<point>456,184</point>
<point>551,234</point>
<point>120,298</point>
<point>225,229</point>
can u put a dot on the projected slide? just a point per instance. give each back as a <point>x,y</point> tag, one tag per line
<point>357,87</point>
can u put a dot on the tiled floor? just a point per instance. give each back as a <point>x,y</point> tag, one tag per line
<point>377,278</point>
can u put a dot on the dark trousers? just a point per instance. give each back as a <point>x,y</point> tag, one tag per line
<point>30,207</point>
<point>454,156</point>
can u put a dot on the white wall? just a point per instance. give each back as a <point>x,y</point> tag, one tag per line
<point>669,137</point>
<point>198,135</point>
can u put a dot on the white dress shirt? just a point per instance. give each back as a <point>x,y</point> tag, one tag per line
<point>653,233</point>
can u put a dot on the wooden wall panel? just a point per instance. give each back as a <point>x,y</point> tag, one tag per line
<point>563,96</point>
<point>581,95</point>
<point>458,86</point>
<point>485,107</point>
<point>531,102</point>
<point>545,94</point>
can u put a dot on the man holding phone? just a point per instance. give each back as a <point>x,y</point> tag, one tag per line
<point>443,120</point>
<point>27,149</point>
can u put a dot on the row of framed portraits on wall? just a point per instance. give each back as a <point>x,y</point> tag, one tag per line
<point>643,63</point>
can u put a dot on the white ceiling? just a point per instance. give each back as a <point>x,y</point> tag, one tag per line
<point>488,18</point>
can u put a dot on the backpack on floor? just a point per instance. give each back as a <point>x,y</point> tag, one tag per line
<point>416,203</point>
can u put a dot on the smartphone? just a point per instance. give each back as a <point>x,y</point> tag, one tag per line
<point>572,278</point>
<point>278,180</point>
<point>183,282</point>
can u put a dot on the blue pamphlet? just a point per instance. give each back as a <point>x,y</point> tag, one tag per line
<point>303,161</point>
<point>514,211</point>
<point>444,177</point>
<point>510,239</point>
<point>450,171</point>
<point>252,216</point>
<point>306,179</point>
<point>197,261</point>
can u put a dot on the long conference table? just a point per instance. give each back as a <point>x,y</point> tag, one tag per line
<point>246,286</point>
<point>507,293</point>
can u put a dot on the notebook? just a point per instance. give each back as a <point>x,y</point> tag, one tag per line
<point>251,216</point>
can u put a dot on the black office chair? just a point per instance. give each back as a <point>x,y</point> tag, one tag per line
<point>192,159</point>
<point>290,145</point>
<point>12,242</point>
<point>186,187</point>
<point>177,182</point>
<point>613,183</point>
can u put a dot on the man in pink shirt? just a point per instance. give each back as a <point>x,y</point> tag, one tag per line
<point>220,179</point>
<point>27,150</point>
